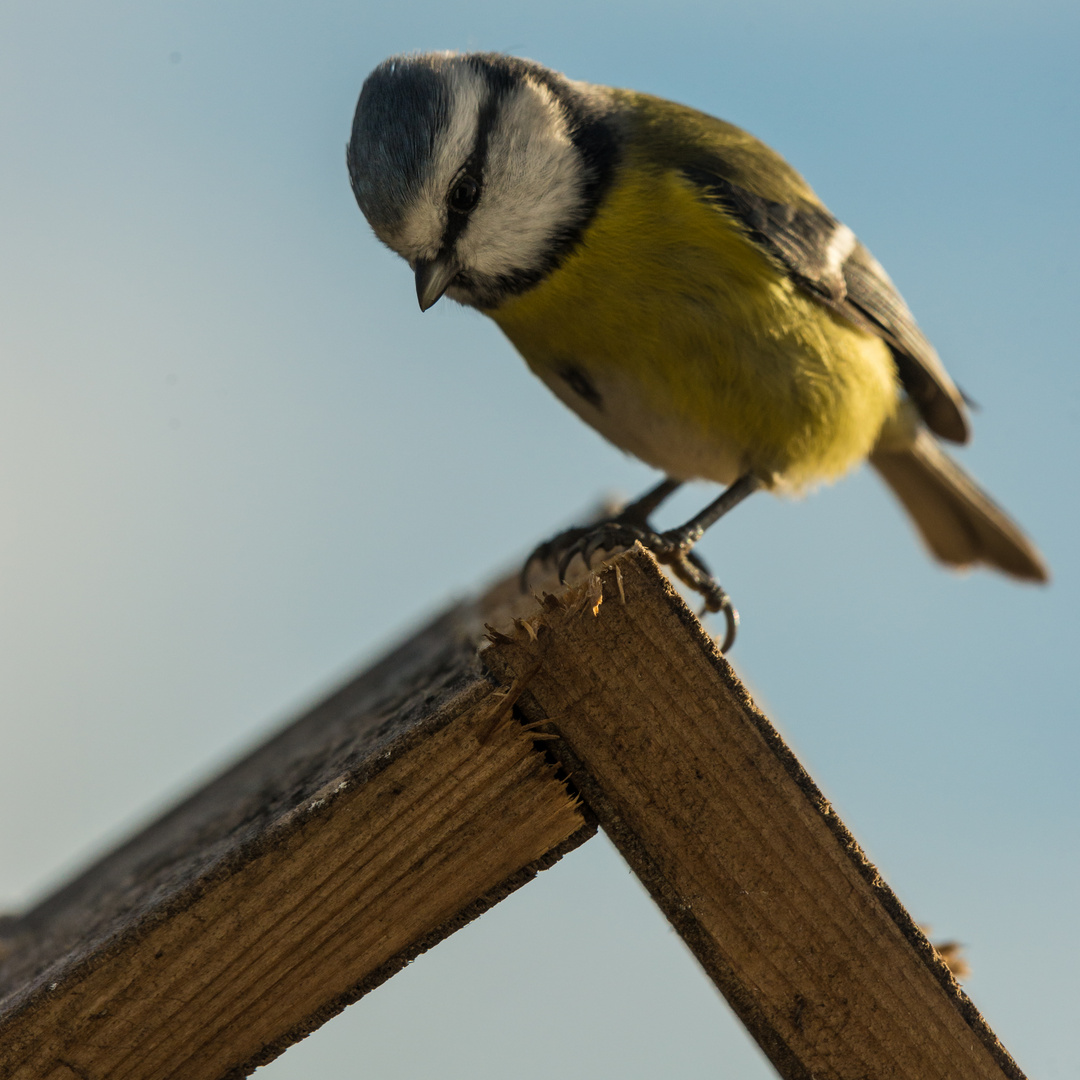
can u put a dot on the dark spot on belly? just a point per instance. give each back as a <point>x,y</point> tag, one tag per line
<point>578,381</point>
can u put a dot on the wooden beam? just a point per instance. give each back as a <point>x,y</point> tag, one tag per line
<point>421,793</point>
<point>387,817</point>
<point>733,839</point>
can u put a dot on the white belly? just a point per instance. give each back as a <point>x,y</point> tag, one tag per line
<point>617,408</point>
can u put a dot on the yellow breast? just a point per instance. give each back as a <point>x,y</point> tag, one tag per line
<point>673,335</point>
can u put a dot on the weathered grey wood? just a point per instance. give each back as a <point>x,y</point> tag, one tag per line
<point>391,814</point>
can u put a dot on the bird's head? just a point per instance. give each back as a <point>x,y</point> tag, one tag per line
<point>480,170</point>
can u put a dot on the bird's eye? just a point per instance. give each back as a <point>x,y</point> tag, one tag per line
<point>464,194</point>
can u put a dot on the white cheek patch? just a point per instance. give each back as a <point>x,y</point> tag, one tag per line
<point>533,184</point>
<point>420,235</point>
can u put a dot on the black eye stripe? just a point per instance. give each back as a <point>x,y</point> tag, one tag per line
<point>473,168</point>
<point>593,137</point>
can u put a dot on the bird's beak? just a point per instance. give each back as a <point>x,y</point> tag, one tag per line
<point>433,277</point>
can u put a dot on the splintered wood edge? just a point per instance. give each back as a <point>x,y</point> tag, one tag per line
<point>516,649</point>
<point>354,885</point>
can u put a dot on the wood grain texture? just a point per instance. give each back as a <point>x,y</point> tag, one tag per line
<point>734,841</point>
<point>390,815</point>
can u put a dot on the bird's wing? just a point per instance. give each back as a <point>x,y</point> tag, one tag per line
<point>781,215</point>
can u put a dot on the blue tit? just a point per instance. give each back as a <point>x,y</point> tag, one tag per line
<point>676,284</point>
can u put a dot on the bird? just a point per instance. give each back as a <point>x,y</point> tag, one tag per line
<point>679,286</point>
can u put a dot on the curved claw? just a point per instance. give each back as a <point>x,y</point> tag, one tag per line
<point>717,600</point>
<point>731,617</point>
<point>566,559</point>
<point>608,537</point>
<point>692,571</point>
<point>523,575</point>
<point>548,551</point>
<point>592,545</point>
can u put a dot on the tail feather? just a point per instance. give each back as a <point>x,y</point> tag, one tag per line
<point>960,523</point>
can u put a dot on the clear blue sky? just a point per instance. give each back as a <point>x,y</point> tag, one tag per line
<point>236,461</point>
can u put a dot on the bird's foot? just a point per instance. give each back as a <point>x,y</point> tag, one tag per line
<point>618,533</point>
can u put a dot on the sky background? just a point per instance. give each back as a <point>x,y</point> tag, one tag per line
<point>236,463</point>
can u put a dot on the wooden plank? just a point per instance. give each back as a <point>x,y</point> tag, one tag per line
<point>384,819</point>
<point>410,801</point>
<point>734,841</point>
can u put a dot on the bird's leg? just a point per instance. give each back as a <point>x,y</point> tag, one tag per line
<point>672,548</point>
<point>639,511</point>
<point>685,536</point>
<point>679,556</point>
<point>635,514</point>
